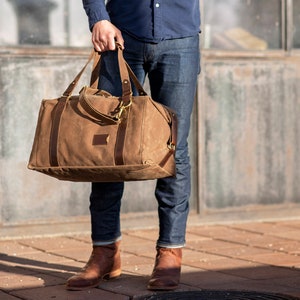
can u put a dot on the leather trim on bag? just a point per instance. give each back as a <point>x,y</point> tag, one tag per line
<point>120,140</point>
<point>54,131</point>
<point>173,137</point>
<point>100,139</point>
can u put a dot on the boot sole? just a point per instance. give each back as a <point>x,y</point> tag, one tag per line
<point>162,288</point>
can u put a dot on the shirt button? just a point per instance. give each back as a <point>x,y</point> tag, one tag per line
<point>157,5</point>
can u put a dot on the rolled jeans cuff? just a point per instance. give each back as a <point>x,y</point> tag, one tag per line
<point>104,243</point>
<point>165,245</point>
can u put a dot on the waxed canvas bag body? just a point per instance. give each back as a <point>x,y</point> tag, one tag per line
<point>98,137</point>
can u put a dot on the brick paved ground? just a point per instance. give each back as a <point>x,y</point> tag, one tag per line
<point>255,256</point>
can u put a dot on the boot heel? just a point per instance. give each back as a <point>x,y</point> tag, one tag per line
<point>112,275</point>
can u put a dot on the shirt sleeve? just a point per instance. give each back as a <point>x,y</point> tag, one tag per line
<point>96,11</point>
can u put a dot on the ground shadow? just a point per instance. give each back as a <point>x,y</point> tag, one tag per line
<point>261,282</point>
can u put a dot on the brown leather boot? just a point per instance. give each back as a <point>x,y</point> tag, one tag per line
<point>166,272</point>
<point>104,263</point>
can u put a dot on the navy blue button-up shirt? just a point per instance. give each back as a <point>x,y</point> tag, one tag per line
<point>148,20</point>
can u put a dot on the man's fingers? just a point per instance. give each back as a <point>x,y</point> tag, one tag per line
<point>119,39</point>
<point>97,47</point>
<point>105,35</point>
<point>111,44</point>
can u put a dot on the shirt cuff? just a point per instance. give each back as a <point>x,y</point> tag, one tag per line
<point>94,18</point>
<point>96,13</point>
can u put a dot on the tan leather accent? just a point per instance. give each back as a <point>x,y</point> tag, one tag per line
<point>58,110</point>
<point>100,139</point>
<point>120,141</point>
<point>173,138</point>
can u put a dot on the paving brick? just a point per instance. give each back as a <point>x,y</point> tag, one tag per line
<point>286,246</point>
<point>239,251</point>
<point>138,246</point>
<point>152,234</point>
<point>191,257</point>
<point>256,256</point>
<point>14,248</point>
<point>60,293</point>
<point>54,243</point>
<point>5,296</point>
<point>191,237</point>
<point>76,253</point>
<point>134,286</point>
<point>206,230</point>
<point>263,241</point>
<point>24,267</point>
<point>259,227</point>
<point>83,238</point>
<point>276,259</point>
<point>257,286</point>
<point>292,223</point>
<point>224,265</point>
<point>206,244</point>
<point>7,269</point>
<point>271,229</point>
<point>294,293</point>
<point>149,234</point>
<point>17,282</point>
<point>127,284</point>
<point>288,234</point>
<point>37,262</point>
<point>63,270</point>
<point>208,279</point>
<point>293,282</point>
<point>261,272</point>
<point>137,264</point>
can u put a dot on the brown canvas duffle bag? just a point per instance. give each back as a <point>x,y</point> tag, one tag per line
<point>98,137</point>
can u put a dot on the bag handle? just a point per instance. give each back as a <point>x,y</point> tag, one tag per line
<point>68,92</point>
<point>123,71</point>
<point>126,72</point>
<point>126,75</point>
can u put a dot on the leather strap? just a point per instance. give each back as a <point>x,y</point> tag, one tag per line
<point>58,111</point>
<point>172,141</point>
<point>125,72</point>
<point>126,75</point>
<point>68,92</point>
<point>135,81</point>
<point>120,140</point>
<point>95,70</point>
<point>86,104</point>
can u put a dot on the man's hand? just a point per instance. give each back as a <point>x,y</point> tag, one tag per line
<point>105,35</point>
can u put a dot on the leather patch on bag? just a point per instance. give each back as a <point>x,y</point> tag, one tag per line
<point>100,139</point>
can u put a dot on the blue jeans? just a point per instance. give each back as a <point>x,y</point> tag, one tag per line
<point>172,67</point>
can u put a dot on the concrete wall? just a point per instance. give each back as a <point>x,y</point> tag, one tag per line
<point>27,196</point>
<point>249,122</point>
<point>247,129</point>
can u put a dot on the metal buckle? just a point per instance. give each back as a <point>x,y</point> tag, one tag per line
<point>122,108</point>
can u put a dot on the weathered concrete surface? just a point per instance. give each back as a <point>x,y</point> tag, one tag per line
<point>250,132</point>
<point>27,196</point>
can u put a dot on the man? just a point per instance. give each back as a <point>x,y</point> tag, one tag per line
<point>160,38</point>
